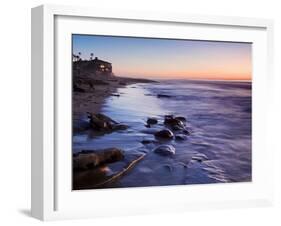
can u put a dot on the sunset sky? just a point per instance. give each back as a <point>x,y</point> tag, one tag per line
<point>166,58</point>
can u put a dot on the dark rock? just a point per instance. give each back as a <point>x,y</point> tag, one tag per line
<point>185,131</point>
<point>147,141</point>
<point>104,176</point>
<point>180,137</point>
<point>100,121</point>
<point>165,134</point>
<point>120,127</point>
<point>89,159</point>
<point>181,118</point>
<point>148,126</point>
<point>171,121</point>
<point>152,121</point>
<point>176,128</point>
<point>104,123</point>
<point>115,94</point>
<point>165,150</point>
<point>163,96</point>
<point>168,119</point>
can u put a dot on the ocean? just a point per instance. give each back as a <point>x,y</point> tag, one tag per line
<point>218,149</point>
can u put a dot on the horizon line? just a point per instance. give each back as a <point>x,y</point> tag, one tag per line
<point>178,78</point>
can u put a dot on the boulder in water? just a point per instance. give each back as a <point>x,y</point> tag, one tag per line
<point>185,131</point>
<point>104,123</point>
<point>163,96</point>
<point>165,150</point>
<point>173,122</point>
<point>164,134</point>
<point>151,121</point>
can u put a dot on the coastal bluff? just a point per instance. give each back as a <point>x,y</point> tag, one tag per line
<point>93,81</point>
<point>87,74</point>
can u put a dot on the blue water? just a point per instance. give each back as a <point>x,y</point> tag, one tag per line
<point>218,115</point>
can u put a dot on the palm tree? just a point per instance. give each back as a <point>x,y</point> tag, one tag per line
<point>79,53</point>
<point>91,56</point>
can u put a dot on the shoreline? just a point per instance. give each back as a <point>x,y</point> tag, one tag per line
<point>89,97</point>
<point>89,94</point>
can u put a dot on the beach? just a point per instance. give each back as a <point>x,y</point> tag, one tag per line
<point>213,146</point>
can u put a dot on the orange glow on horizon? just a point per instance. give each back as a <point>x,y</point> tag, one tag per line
<point>211,75</point>
<point>168,58</point>
<point>219,68</point>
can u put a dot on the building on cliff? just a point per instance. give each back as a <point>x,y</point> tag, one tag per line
<point>92,67</point>
<point>100,66</point>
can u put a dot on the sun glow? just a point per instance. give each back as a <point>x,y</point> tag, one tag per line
<point>165,58</point>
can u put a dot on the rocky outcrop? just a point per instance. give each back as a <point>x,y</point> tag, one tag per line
<point>103,123</point>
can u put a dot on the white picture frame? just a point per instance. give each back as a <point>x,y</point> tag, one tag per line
<point>52,197</point>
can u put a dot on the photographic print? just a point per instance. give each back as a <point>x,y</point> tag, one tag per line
<point>159,112</point>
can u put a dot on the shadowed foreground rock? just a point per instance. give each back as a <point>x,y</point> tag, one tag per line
<point>89,159</point>
<point>103,168</point>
